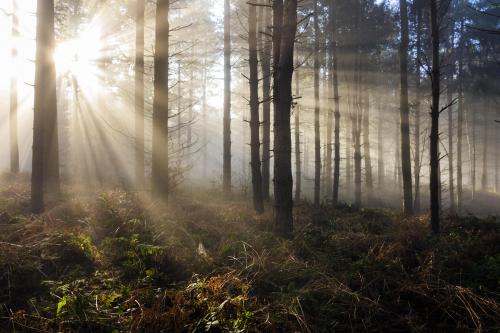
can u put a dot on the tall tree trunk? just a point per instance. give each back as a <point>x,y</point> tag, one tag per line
<point>298,166</point>
<point>366,143</point>
<point>484,176</point>
<point>357,116</point>
<point>405,112</point>
<point>205,114</point>
<point>226,168</point>
<point>449,94</point>
<point>434,136</point>
<point>283,181</point>
<point>258,202</point>
<point>460,195</point>
<point>417,161</point>
<point>179,105</point>
<point>14,146</point>
<point>51,137</point>
<point>348,147</point>
<point>450,142</point>
<point>381,169</point>
<point>317,139</point>
<point>191,103</point>
<point>42,101</point>
<point>265,61</point>
<point>159,172</point>
<point>139,94</point>
<point>474,155</point>
<point>336,99</point>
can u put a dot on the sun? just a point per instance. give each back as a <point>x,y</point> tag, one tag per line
<point>79,56</point>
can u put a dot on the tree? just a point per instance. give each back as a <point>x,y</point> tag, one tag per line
<point>366,141</point>
<point>285,26</point>
<point>139,94</point>
<point>265,61</point>
<point>226,167</point>
<point>14,146</point>
<point>417,162</point>
<point>336,100</point>
<point>460,120</point>
<point>405,112</point>
<point>449,93</point>
<point>45,106</point>
<point>51,137</point>
<point>317,139</point>
<point>159,172</point>
<point>435,111</point>
<point>258,202</point>
<point>298,164</point>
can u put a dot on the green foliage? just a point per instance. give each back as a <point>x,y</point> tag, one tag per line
<point>344,270</point>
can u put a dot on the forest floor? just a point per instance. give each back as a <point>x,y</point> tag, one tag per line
<point>117,262</point>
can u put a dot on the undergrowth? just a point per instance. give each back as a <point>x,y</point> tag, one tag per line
<point>119,263</point>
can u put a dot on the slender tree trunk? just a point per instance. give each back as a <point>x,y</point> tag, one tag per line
<point>283,182</point>
<point>14,146</point>
<point>417,161</point>
<point>179,105</point>
<point>348,148</point>
<point>497,157</point>
<point>366,143</point>
<point>449,94</point>
<point>265,61</point>
<point>356,136</point>
<point>434,136</point>
<point>474,155</point>
<point>336,98</point>
<point>159,175</point>
<point>484,176</point>
<point>191,102</point>
<point>450,142</point>
<point>51,137</point>
<point>405,113</point>
<point>460,195</point>
<point>298,166</point>
<point>317,139</point>
<point>226,168</point>
<point>205,114</point>
<point>139,94</point>
<point>258,201</point>
<point>381,169</point>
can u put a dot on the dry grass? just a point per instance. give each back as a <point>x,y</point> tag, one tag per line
<point>123,262</point>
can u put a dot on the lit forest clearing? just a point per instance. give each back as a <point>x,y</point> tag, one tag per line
<point>249,166</point>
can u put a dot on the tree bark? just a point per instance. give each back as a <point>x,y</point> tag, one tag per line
<point>44,43</point>
<point>298,166</point>
<point>460,121</point>
<point>450,142</point>
<point>366,143</point>
<point>283,182</point>
<point>160,172</point>
<point>405,112</point>
<point>380,168</point>
<point>258,202</point>
<point>417,162</point>
<point>265,61</point>
<point>317,139</point>
<point>139,94</point>
<point>51,137</point>
<point>14,146</point>
<point>336,99</point>
<point>434,136</point>
<point>484,176</point>
<point>226,168</point>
